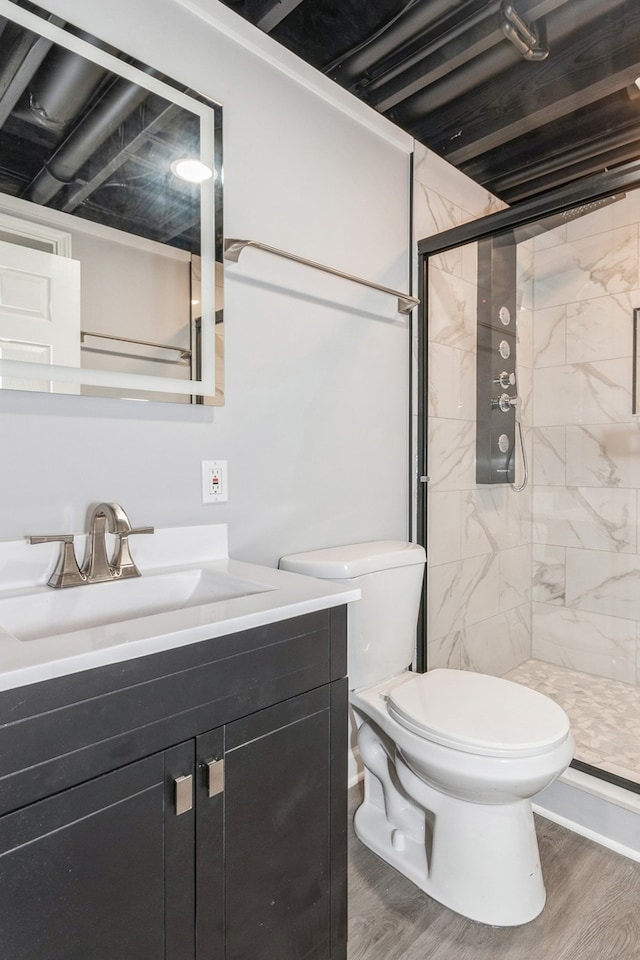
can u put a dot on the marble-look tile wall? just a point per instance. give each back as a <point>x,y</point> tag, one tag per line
<point>586,445</point>
<point>552,572</point>
<point>479,537</point>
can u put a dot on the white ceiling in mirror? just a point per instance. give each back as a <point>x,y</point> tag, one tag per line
<point>88,140</point>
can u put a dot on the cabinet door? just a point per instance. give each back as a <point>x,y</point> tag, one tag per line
<point>277,832</point>
<point>82,873</point>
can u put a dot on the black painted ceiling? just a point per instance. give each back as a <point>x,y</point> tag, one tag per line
<point>77,138</point>
<point>521,96</point>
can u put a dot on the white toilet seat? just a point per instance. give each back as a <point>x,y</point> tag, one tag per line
<point>478,714</point>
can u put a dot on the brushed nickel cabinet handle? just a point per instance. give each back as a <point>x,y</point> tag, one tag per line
<point>183,794</point>
<point>215,777</point>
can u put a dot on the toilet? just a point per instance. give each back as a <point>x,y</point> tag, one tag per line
<point>451,758</point>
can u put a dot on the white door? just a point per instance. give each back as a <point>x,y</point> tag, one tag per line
<point>39,312</point>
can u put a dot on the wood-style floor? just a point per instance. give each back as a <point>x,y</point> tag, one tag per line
<point>592,910</point>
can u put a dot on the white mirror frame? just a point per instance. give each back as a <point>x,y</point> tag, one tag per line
<point>86,376</point>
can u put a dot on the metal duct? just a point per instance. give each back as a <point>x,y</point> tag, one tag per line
<point>613,116</point>
<point>592,150</point>
<point>406,26</point>
<point>19,67</point>
<point>78,194</point>
<point>107,115</point>
<point>14,80</point>
<point>560,24</point>
<point>576,171</point>
<point>60,83</point>
<point>462,42</point>
<point>63,86</point>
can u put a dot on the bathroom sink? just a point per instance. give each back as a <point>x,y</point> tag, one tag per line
<point>190,591</point>
<point>45,612</point>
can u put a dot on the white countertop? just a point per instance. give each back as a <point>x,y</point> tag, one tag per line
<point>25,568</point>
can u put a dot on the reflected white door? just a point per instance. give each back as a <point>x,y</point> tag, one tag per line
<point>39,311</point>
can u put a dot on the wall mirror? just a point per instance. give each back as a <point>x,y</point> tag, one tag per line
<point>110,245</point>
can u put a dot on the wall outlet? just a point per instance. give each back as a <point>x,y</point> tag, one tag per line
<point>214,481</point>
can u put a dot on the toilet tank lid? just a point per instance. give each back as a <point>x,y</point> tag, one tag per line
<point>354,559</point>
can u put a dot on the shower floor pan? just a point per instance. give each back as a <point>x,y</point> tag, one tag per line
<point>605,719</point>
<point>604,714</point>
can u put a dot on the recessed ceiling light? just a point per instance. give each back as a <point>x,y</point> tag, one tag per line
<point>191,170</point>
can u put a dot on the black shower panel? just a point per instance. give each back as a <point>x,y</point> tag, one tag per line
<point>496,360</point>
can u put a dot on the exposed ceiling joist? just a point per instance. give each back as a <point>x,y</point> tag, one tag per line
<point>468,40</point>
<point>274,12</point>
<point>579,73</point>
<point>445,72</point>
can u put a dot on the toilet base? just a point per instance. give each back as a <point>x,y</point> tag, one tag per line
<point>480,860</point>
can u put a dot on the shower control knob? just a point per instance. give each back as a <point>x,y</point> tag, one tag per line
<point>506,380</point>
<point>504,402</point>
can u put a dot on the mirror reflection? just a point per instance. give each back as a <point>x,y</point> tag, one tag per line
<point>110,220</point>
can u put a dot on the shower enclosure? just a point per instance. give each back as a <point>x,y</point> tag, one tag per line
<point>536,577</point>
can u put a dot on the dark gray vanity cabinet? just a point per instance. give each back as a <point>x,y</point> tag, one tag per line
<point>85,873</point>
<point>188,805</point>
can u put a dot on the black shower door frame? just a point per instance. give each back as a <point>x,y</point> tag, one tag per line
<point>587,190</point>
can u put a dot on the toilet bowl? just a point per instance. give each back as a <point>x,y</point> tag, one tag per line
<point>451,808</point>
<point>451,758</point>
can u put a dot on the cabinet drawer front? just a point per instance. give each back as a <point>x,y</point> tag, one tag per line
<point>60,732</point>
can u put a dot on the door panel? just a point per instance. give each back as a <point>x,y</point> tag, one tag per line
<point>39,309</point>
<point>277,902</point>
<point>82,872</point>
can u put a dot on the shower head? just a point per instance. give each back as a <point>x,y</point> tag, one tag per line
<point>558,219</point>
<point>584,208</point>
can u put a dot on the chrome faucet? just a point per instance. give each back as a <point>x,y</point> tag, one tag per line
<point>97,566</point>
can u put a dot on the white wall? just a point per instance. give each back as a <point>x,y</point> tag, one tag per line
<point>315,426</point>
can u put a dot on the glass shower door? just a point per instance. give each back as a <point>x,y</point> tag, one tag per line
<point>542,584</point>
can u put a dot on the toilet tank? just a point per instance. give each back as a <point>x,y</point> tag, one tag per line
<point>382,625</point>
